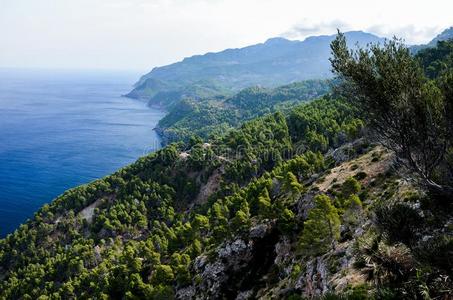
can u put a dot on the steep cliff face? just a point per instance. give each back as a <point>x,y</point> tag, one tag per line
<point>238,268</point>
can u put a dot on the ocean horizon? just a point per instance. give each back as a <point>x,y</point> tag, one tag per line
<point>63,128</point>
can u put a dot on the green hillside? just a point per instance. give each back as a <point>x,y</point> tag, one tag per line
<point>276,62</point>
<point>348,196</point>
<point>214,116</point>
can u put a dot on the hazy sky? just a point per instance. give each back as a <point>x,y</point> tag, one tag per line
<point>141,34</point>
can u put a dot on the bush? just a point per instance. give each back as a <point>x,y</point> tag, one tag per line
<point>382,263</point>
<point>163,274</point>
<point>350,186</point>
<point>360,175</point>
<point>437,251</point>
<point>399,222</point>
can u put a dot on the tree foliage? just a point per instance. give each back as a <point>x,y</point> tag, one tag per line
<point>322,227</point>
<point>407,112</point>
<point>149,225</point>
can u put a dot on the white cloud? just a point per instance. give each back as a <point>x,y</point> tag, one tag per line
<point>306,28</point>
<point>141,34</point>
<point>410,33</point>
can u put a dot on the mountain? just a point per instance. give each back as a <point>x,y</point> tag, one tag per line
<point>251,221</point>
<point>177,225</point>
<point>447,34</point>
<point>276,62</point>
<point>214,116</point>
<point>304,203</point>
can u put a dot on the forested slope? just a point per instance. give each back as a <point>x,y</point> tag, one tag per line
<point>320,200</point>
<point>144,231</point>
<point>215,116</point>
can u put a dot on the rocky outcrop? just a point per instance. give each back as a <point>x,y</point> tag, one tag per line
<point>266,263</point>
<point>348,151</point>
<point>238,267</point>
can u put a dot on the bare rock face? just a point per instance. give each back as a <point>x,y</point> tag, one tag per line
<point>304,205</point>
<point>332,271</point>
<point>186,293</point>
<point>245,295</point>
<point>234,255</point>
<point>348,151</point>
<point>238,268</point>
<point>258,231</point>
<point>283,251</point>
<point>313,282</point>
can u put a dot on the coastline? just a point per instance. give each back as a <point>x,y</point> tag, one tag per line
<point>159,131</point>
<point>66,131</point>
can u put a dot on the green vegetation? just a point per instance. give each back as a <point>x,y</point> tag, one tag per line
<point>215,116</point>
<point>287,205</point>
<point>139,239</point>
<point>409,113</point>
<point>437,61</point>
<point>276,62</point>
<point>322,227</point>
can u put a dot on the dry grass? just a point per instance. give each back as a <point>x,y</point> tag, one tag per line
<point>375,162</point>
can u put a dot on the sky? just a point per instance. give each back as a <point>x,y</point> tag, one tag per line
<point>142,34</point>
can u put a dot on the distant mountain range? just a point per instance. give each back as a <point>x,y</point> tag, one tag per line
<point>276,62</point>
<point>444,35</point>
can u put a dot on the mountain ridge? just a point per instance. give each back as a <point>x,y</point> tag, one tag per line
<point>446,34</point>
<point>275,62</point>
<point>300,203</point>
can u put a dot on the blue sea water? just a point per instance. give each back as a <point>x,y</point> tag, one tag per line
<point>60,129</point>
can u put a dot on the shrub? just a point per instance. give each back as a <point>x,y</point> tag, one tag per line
<point>360,175</point>
<point>384,264</point>
<point>354,167</point>
<point>437,251</point>
<point>399,222</point>
<point>350,186</point>
<point>163,274</point>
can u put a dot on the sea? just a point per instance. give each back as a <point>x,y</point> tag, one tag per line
<point>63,128</point>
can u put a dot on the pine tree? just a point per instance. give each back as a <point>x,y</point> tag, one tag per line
<point>291,184</point>
<point>242,218</point>
<point>264,204</point>
<point>321,229</point>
